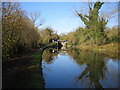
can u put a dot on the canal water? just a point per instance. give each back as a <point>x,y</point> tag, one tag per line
<point>79,69</point>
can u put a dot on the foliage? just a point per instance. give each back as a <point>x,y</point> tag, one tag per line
<point>55,37</point>
<point>112,34</point>
<point>17,30</point>
<point>94,24</point>
<point>94,32</point>
<point>47,35</point>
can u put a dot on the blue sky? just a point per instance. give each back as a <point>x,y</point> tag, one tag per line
<point>61,15</point>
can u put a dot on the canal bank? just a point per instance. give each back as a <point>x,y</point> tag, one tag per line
<point>24,70</point>
<point>70,68</point>
<point>111,50</point>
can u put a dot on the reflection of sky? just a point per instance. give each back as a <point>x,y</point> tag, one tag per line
<point>111,79</point>
<point>64,71</point>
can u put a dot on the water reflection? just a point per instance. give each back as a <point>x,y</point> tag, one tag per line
<point>95,69</point>
<point>64,48</point>
<point>88,69</point>
<point>49,55</point>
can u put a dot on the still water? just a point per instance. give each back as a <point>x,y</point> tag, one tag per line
<point>79,69</point>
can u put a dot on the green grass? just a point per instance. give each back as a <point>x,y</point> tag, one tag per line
<point>112,47</point>
<point>38,81</point>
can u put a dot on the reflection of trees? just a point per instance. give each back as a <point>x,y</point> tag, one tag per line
<point>49,55</point>
<point>95,69</point>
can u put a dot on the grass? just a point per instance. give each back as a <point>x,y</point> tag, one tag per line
<point>112,47</point>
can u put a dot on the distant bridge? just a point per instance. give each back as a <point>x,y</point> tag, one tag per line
<point>62,42</point>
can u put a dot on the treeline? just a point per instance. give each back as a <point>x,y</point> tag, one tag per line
<point>94,32</point>
<point>113,34</point>
<point>80,37</point>
<point>19,31</point>
<point>47,35</point>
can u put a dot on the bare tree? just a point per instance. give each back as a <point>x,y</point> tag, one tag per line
<point>36,17</point>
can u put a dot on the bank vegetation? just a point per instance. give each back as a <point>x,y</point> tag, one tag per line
<point>95,35</point>
<point>20,32</point>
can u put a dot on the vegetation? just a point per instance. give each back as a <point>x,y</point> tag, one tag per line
<point>20,32</point>
<point>47,36</point>
<point>95,33</point>
<point>112,34</point>
<point>95,25</point>
<point>24,71</point>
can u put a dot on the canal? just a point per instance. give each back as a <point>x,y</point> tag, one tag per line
<point>62,68</point>
<point>79,69</point>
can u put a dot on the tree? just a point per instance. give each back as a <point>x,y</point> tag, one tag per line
<point>35,16</point>
<point>95,25</point>
<point>11,27</point>
<point>113,34</point>
<point>18,31</point>
<point>81,36</point>
<point>55,37</point>
<point>46,36</point>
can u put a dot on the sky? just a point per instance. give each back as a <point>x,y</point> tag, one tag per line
<point>60,16</point>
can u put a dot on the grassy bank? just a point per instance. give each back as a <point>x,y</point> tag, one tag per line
<point>112,47</point>
<point>110,50</point>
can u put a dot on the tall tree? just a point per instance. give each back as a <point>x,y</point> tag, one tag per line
<point>18,31</point>
<point>95,25</point>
